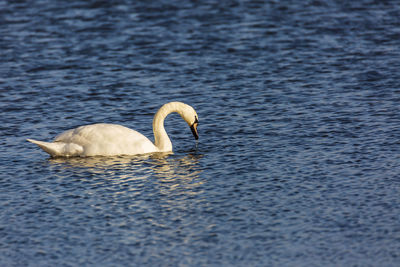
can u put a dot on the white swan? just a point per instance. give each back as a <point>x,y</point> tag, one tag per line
<point>111,139</point>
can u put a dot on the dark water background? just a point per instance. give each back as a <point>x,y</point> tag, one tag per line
<point>298,159</point>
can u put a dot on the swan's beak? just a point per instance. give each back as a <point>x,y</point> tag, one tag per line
<point>194,130</point>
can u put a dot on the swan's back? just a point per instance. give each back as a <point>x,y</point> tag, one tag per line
<point>107,139</point>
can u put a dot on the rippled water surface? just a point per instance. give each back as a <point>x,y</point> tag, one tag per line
<point>298,158</point>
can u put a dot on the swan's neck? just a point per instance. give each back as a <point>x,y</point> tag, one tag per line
<point>161,139</point>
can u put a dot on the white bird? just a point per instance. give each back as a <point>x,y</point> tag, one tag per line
<point>104,139</point>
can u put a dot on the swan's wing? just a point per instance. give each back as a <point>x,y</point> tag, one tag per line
<point>87,134</point>
<point>107,139</point>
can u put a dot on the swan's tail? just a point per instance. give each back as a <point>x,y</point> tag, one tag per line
<point>58,148</point>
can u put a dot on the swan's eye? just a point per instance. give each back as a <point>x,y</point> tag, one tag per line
<point>195,120</point>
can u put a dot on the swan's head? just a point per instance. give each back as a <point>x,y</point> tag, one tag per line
<point>192,119</point>
<point>193,127</point>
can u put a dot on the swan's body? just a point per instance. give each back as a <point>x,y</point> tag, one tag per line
<point>111,139</point>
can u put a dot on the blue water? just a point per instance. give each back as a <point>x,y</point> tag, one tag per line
<point>298,161</point>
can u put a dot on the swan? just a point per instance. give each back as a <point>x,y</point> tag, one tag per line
<point>103,139</point>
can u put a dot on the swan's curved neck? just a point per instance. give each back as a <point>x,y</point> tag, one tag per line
<point>161,139</point>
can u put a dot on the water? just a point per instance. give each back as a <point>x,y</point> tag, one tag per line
<point>298,159</point>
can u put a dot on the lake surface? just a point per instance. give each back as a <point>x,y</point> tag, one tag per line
<point>298,161</point>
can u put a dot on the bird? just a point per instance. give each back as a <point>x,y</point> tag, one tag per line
<point>106,139</point>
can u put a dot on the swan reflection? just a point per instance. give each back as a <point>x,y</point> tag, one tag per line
<point>100,164</point>
<point>172,171</point>
<point>178,173</point>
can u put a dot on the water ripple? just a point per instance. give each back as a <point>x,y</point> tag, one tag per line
<point>297,162</point>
